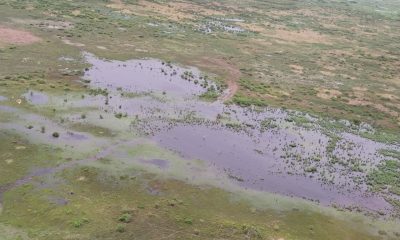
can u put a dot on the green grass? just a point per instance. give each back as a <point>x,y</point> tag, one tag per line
<point>210,95</point>
<point>18,157</point>
<point>98,205</point>
<point>386,176</point>
<point>390,153</point>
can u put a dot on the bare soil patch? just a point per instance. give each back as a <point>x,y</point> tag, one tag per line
<point>76,44</point>
<point>388,96</point>
<point>330,68</point>
<point>18,37</point>
<point>231,72</point>
<point>296,68</point>
<point>361,100</point>
<point>175,11</point>
<point>327,73</point>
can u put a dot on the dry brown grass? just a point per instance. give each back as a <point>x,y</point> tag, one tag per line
<point>360,98</point>
<point>175,11</point>
<point>252,27</point>
<point>303,36</point>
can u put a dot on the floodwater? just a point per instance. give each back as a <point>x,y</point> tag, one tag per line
<point>161,163</point>
<point>230,138</point>
<point>259,163</point>
<point>144,76</point>
<point>260,149</point>
<point>36,98</point>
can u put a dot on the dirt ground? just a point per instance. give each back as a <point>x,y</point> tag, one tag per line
<point>18,37</point>
<point>232,75</point>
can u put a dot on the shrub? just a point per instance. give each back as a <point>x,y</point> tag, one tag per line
<point>120,228</point>
<point>125,218</point>
<point>79,222</point>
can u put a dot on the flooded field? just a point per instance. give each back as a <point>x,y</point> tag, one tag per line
<point>259,149</point>
<point>234,120</point>
<point>150,115</point>
<point>264,149</point>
